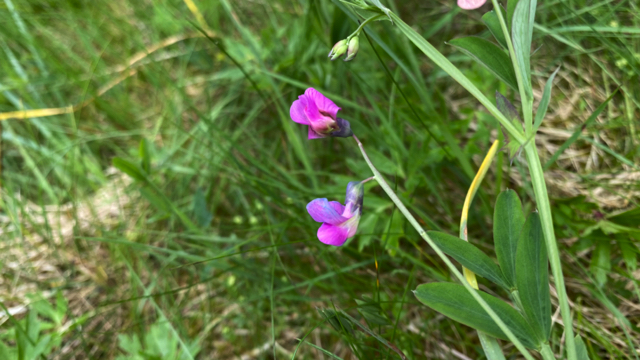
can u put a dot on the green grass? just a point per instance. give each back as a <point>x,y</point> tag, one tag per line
<point>211,254</point>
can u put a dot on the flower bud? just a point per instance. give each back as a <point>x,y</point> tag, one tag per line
<point>338,49</point>
<point>353,47</point>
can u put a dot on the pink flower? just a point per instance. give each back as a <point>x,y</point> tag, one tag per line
<point>470,4</point>
<point>314,109</point>
<point>338,222</point>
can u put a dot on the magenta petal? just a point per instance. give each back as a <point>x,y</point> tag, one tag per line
<point>470,4</point>
<point>314,135</point>
<point>337,206</point>
<point>332,235</point>
<point>322,102</point>
<point>322,211</point>
<point>297,111</point>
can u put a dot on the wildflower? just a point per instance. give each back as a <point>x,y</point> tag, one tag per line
<point>470,4</point>
<point>353,47</point>
<point>338,49</point>
<point>338,222</point>
<point>314,109</point>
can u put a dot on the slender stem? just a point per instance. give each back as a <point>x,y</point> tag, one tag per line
<point>546,352</point>
<point>544,209</point>
<point>474,293</point>
<point>355,33</point>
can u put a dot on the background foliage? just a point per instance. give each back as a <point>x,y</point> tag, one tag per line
<point>203,249</point>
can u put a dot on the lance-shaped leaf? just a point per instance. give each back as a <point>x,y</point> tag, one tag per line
<point>508,220</point>
<point>455,302</point>
<point>507,109</point>
<point>490,56</point>
<point>492,22</point>
<point>511,8</point>
<point>470,257</point>
<point>581,349</point>
<point>521,36</point>
<point>532,277</point>
<point>544,102</point>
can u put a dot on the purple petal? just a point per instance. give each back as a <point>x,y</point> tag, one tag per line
<point>297,111</point>
<point>314,135</point>
<point>470,4</point>
<point>322,102</point>
<point>332,235</point>
<point>322,211</point>
<point>337,206</point>
<point>351,225</point>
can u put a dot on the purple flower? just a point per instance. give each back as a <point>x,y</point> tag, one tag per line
<point>317,111</point>
<point>338,222</point>
<point>470,4</point>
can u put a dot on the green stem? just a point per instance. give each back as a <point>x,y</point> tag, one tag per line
<point>544,209</point>
<point>357,32</point>
<point>546,352</point>
<point>385,186</point>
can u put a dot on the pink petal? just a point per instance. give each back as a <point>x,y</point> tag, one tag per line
<point>322,102</point>
<point>339,208</point>
<point>314,135</point>
<point>470,4</point>
<point>351,225</point>
<point>297,111</point>
<point>322,211</point>
<point>332,235</point>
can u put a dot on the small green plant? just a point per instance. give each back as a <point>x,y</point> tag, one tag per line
<point>158,342</point>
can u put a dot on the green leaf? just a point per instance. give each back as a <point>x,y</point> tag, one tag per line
<point>544,102</point>
<point>455,302</point>
<point>382,8</point>
<point>470,257</point>
<point>601,260</point>
<point>581,349</point>
<point>128,168</point>
<point>629,253</point>
<point>511,8</point>
<point>200,210</point>
<point>492,22</point>
<point>508,220</point>
<point>337,320</point>
<point>490,56</point>
<point>532,277</point>
<point>372,311</point>
<point>521,36</point>
<point>145,156</point>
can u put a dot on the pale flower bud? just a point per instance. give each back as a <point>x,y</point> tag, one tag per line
<point>338,49</point>
<point>353,47</point>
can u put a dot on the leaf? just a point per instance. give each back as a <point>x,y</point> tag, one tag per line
<point>470,257</point>
<point>511,8</point>
<point>337,320</point>
<point>145,163</point>
<point>629,254</point>
<point>490,56</point>
<point>506,107</point>
<point>544,102</point>
<point>581,349</point>
<point>601,260</point>
<point>455,302</point>
<point>128,168</point>
<point>521,36</point>
<point>372,311</point>
<point>382,8</point>
<point>508,221</point>
<point>492,22</point>
<point>532,277</point>
<point>202,214</point>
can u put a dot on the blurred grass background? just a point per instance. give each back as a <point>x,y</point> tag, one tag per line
<point>210,254</point>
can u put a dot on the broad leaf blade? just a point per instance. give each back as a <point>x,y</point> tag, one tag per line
<point>532,277</point>
<point>492,22</point>
<point>129,168</point>
<point>490,56</point>
<point>455,302</point>
<point>511,8</point>
<point>544,102</point>
<point>521,36</point>
<point>508,220</point>
<point>469,256</point>
<point>581,349</point>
